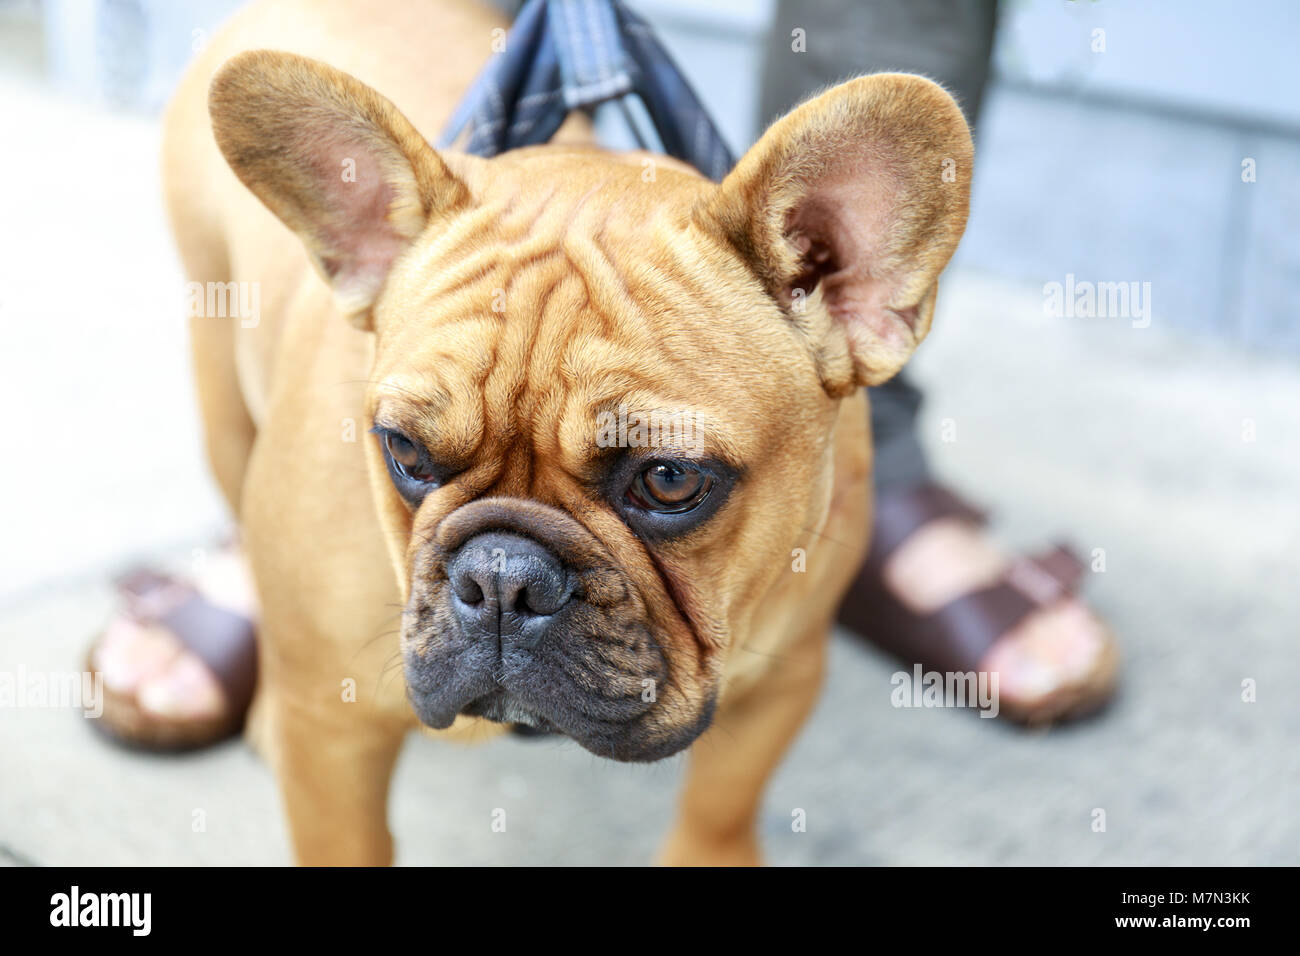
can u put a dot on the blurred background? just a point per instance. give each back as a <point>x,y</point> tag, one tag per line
<point>1168,154</point>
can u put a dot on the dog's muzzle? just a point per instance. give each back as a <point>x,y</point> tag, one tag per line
<point>508,589</point>
<point>518,614</point>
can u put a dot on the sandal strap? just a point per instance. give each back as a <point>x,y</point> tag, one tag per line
<point>149,594</point>
<point>899,513</point>
<point>962,631</point>
<point>224,640</point>
<point>1064,564</point>
<point>956,636</point>
<point>1048,577</point>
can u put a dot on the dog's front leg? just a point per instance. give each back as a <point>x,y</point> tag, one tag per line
<point>334,765</point>
<point>730,765</point>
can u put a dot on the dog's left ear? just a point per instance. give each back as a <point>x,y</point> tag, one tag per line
<point>336,162</point>
<point>862,193</point>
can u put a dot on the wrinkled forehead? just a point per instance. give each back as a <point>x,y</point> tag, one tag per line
<point>562,304</point>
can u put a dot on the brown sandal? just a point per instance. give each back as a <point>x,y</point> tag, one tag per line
<point>224,640</point>
<point>957,636</point>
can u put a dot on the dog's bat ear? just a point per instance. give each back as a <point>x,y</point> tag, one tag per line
<point>335,161</point>
<point>862,194</point>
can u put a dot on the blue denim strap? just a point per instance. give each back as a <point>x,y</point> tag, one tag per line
<point>563,55</point>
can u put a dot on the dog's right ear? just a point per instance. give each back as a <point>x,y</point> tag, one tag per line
<point>860,194</point>
<point>336,162</point>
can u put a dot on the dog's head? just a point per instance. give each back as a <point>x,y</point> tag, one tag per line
<point>604,387</point>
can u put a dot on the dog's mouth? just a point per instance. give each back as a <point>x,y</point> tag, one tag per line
<point>517,615</point>
<point>630,742</point>
<point>564,692</point>
<point>611,694</point>
<point>499,707</point>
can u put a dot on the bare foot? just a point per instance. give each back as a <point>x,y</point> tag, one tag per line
<point>145,662</point>
<point>1054,655</point>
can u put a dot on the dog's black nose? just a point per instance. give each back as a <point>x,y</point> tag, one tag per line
<point>508,586</point>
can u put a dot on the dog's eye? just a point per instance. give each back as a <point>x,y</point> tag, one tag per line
<point>403,452</point>
<point>668,487</point>
<point>407,460</point>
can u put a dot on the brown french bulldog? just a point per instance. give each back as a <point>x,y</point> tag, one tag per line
<point>425,434</point>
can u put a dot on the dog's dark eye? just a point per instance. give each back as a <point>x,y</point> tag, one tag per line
<point>408,462</point>
<point>668,487</point>
<point>404,453</point>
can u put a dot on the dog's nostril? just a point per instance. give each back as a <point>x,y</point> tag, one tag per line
<point>526,602</point>
<point>520,602</point>
<point>544,598</point>
<point>470,592</point>
<point>532,591</point>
